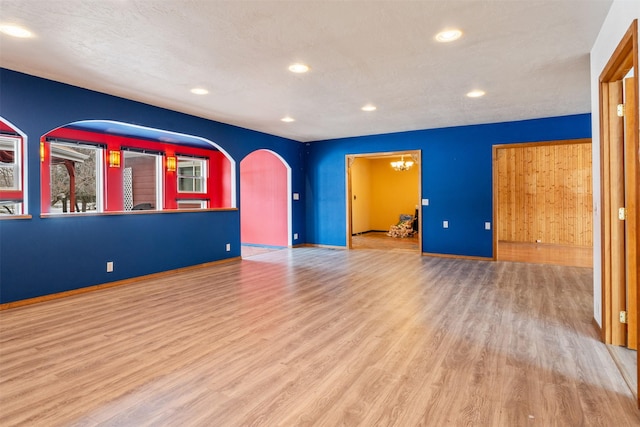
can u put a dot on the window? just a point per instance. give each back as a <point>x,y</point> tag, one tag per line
<point>9,161</point>
<point>11,196</point>
<point>142,186</point>
<point>75,177</point>
<point>192,175</point>
<point>83,171</point>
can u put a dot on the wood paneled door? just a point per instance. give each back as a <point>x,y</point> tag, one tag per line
<point>620,195</point>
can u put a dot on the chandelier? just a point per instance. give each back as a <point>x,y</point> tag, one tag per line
<point>401,165</point>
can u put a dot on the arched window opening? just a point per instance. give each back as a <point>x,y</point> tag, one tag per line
<point>105,166</point>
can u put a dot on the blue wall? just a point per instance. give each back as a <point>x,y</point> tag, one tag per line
<point>456,178</point>
<point>39,256</point>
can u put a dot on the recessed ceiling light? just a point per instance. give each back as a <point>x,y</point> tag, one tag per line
<point>369,107</point>
<point>448,35</point>
<point>298,68</point>
<point>476,94</point>
<point>199,91</point>
<point>288,119</point>
<point>15,31</point>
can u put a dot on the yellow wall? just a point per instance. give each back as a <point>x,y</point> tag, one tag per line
<point>379,194</point>
<point>392,193</point>
<point>360,195</point>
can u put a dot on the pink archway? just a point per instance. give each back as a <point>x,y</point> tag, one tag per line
<point>264,199</point>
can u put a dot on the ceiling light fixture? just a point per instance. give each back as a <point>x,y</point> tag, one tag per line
<point>288,119</point>
<point>369,107</point>
<point>199,91</point>
<point>298,68</point>
<point>448,35</point>
<point>15,31</point>
<point>476,93</point>
<point>401,165</point>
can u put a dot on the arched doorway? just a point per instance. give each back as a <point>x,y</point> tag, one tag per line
<point>265,203</point>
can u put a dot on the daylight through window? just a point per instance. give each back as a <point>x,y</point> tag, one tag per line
<point>75,178</point>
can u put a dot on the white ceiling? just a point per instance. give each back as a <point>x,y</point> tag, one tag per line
<point>531,57</point>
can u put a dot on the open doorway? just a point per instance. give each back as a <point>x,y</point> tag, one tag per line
<point>543,202</point>
<point>265,202</point>
<point>620,201</point>
<point>383,201</point>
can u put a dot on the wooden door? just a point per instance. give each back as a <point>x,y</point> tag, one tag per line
<point>631,183</point>
<point>614,250</point>
<point>620,169</point>
<point>620,159</point>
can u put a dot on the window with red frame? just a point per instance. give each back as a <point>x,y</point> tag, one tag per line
<point>135,174</point>
<point>11,187</point>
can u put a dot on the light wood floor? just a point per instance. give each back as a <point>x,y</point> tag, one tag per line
<point>575,256</point>
<point>627,362</point>
<point>380,240</point>
<point>247,251</point>
<point>314,336</point>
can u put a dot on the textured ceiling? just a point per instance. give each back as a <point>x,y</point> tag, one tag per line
<point>531,57</point>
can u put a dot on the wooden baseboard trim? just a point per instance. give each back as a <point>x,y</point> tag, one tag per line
<point>58,295</point>
<point>473,258</point>
<point>369,231</point>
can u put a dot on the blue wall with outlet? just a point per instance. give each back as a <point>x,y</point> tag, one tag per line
<point>44,255</point>
<point>40,256</point>
<point>456,178</point>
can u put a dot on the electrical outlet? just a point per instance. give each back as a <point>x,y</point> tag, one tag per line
<point>228,247</point>
<point>487,226</point>
<point>425,202</point>
<point>296,196</point>
<point>445,224</point>
<point>295,236</point>
<point>109,266</point>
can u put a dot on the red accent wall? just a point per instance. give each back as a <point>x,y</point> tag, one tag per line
<point>263,200</point>
<point>221,191</point>
<point>45,178</point>
<point>6,128</point>
<point>218,189</point>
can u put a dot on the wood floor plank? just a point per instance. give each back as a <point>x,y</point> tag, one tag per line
<point>315,336</point>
